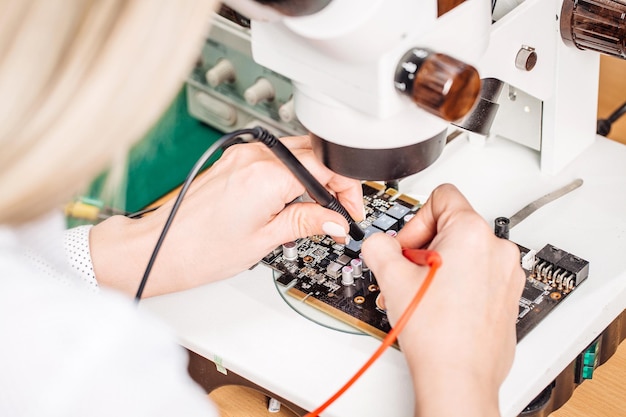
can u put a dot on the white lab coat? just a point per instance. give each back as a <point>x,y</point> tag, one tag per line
<point>67,351</point>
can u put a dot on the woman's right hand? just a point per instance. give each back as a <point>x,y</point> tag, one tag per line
<point>461,340</point>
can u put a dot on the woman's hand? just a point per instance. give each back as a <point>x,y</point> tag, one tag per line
<point>232,216</point>
<point>461,340</point>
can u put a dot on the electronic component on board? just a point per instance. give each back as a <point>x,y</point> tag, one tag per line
<point>398,211</point>
<point>347,276</point>
<point>290,251</point>
<point>333,269</point>
<point>556,266</point>
<point>357,267</point>
<point>385,222</point>
<point>391,233</point>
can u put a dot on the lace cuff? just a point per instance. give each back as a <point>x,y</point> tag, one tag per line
<point>76,244</point>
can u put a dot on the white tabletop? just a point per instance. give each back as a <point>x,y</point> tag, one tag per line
<point>247,325</point>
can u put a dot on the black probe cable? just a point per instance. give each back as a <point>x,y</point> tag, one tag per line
<point>313,187</point>
<point>217,145</point>
<point>316,190</point>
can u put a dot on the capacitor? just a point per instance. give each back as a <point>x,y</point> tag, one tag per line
<point>357,268</point>
<point>347,277</point>
<point>290,251</point>
<point>408,218</point>
<point>392,233</point>
<point>363,264</point>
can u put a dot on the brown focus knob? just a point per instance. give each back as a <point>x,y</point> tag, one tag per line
<point>438,83</point>
<point>597,25</point>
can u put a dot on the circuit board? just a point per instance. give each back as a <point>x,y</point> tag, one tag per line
<point>334,279</point>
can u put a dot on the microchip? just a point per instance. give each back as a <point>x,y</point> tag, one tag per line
<point>370,230</point>
<point>531,292</point>
<point>385,223</point>
<point>332,256</point>
<point>344,259</point>
<point>353,248</point>
<point>285,279</point>
<point>398,211</point>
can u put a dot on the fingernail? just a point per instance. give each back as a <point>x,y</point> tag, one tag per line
<point>334,229</point>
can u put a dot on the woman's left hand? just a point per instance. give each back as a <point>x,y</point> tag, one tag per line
<point>232,216</point>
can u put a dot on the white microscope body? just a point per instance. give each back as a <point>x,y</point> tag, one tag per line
<point>343,59</point>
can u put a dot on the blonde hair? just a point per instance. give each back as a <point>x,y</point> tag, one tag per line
<point>80,80</point>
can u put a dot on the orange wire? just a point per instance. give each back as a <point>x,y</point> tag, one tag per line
<point>420,257</point>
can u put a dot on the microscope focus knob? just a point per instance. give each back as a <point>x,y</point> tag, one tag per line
<point>438,83</point>
<point>597,25</point>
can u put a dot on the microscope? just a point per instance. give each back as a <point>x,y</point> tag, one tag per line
<point>381,87</point>
<point>378,84</point>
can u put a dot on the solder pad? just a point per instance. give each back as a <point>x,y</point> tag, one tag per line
<point>314,277</point>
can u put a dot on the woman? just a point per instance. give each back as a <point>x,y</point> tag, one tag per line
<point>80,81</point>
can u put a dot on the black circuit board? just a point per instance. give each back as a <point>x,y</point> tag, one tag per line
<point>312,270</point>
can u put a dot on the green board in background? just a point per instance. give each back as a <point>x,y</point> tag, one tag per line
<point>162,159</point>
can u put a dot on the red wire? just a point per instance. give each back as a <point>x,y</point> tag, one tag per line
<point>420,257</point>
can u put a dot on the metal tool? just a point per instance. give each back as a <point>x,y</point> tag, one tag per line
<point>540,202</point>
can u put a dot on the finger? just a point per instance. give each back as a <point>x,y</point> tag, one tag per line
<point>350,195</point>
<point>397,277</point>
<point>347,190</point>
<point>378,248</point>
<point>437,213</point>
<point>294,143</point>
<point>244,153</point>
<point>300,220</point>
